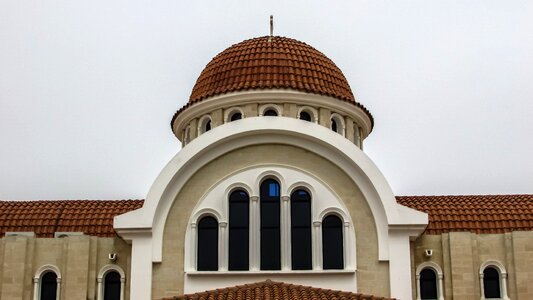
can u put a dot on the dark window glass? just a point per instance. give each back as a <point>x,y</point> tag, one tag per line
<point>207,244</point>
<point>112,286</point>
<point>428,284</point>
<point>333,125</point>
<point>207,125</point>
<point>49,286</point>
<point>236,116</point>
<point>491,283</point>
<point>305,116</point>
<point>270,113</point>
<point>301,230</point>
<point>238,230</point>
<point>332,243</point>
<point>270,228</point>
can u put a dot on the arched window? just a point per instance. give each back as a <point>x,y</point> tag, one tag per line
<point>235,116</point>
<point>270,112</point>
<point>334,126</point>
<point>112,286</point>
<point>239,221</point>
<point>301,230</point>
<point>204,124</point>
<point>305,116</point>
<point>428,284</point>
<point>48,286</point>
<point>270,225</point>
<point>491,283</point>
<point>332,243</point>
<point>207,244</point>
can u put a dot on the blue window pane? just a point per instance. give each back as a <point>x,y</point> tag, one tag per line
<point>273,189</point>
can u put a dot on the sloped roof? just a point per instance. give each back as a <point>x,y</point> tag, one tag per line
<point>271,290</point>
<point>474,213</point>
<point>477,214</point>
<point>44,218</point>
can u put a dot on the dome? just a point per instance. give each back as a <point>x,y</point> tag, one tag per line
<point>271,62</point>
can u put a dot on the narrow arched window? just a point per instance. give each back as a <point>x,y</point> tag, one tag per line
<point>301,230</point>
<point>48,286</point>
<point>332,243</point>
<point>207,126</point>
<point>236,116</point>
<point>428,284</point>
<point>207,244</point>
<point>305,116</point>
<point>239,220</point>
<point>112,286</point>
<point>334,125</point>
<point>270,225</point>
<point>491,283</point>
<point>271,113</point>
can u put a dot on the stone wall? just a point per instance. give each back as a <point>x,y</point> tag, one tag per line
<point>461,254</point>
<point>78,258</point>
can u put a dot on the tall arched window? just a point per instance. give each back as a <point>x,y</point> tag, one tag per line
<point>428,284</point>
<point>491,283</point>
<point>334,125</point>
<point>48,286</point>
<point>207,244</point>
<point>239,221</point>
<point>301,230</point>
<point>332,243</point>
<point>112,286</point>
<point>270,225</point>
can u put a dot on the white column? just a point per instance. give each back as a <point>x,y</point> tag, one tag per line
<point>255,231</point>
<point>122,283</point>
<point>400,265</point>
<point>99,294</point>
<point>417,287</point>
<point>482,285</point>
<point>317,245</point>
<point>58,291</point>
<point>141,268</point>
<point>441,288</point>
<point>504,286</point>
<point>346,236</point>
<point>223,247</point>
<point>191,263</point>
<point>35,288</point>
<point>285,233</point>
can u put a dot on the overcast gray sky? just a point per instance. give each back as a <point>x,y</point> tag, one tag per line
<point>88,88</point>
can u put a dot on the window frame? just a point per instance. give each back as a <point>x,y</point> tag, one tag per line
<point>439,278</point>
<point>341,125</point>
<point>311,111</point>
<point>37,278</point>
<point>502,272</point>
<point>263,108</point>
<point>202,123</point>
<point>228,114</point>
<point>100,280</point>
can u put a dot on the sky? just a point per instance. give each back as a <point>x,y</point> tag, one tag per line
<point>88,88</point>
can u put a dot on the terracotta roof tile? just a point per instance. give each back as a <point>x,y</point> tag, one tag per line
<point>271,62</point>
<point>44,218</point>
<point>477,214</point>
<point>270,290</point>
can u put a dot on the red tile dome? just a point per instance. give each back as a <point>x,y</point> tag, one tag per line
<point>271,62</point>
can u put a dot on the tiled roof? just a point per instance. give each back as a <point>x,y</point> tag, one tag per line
<point>271,62</point>
<point>270,290</point>
<point>477,214</point>
<point>44,218</point>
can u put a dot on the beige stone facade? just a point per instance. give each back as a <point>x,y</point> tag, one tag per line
<point>78,258</point>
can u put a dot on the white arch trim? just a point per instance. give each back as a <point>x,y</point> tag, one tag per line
<point>503,277</point>
<point>440,276</point>
<point>146,224</point>
<point>100,279</point>
<point>37,280</point>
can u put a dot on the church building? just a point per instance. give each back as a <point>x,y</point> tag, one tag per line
<point>270,197</point>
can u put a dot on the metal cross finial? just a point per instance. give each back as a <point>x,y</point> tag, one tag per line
<point>271,25</point>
